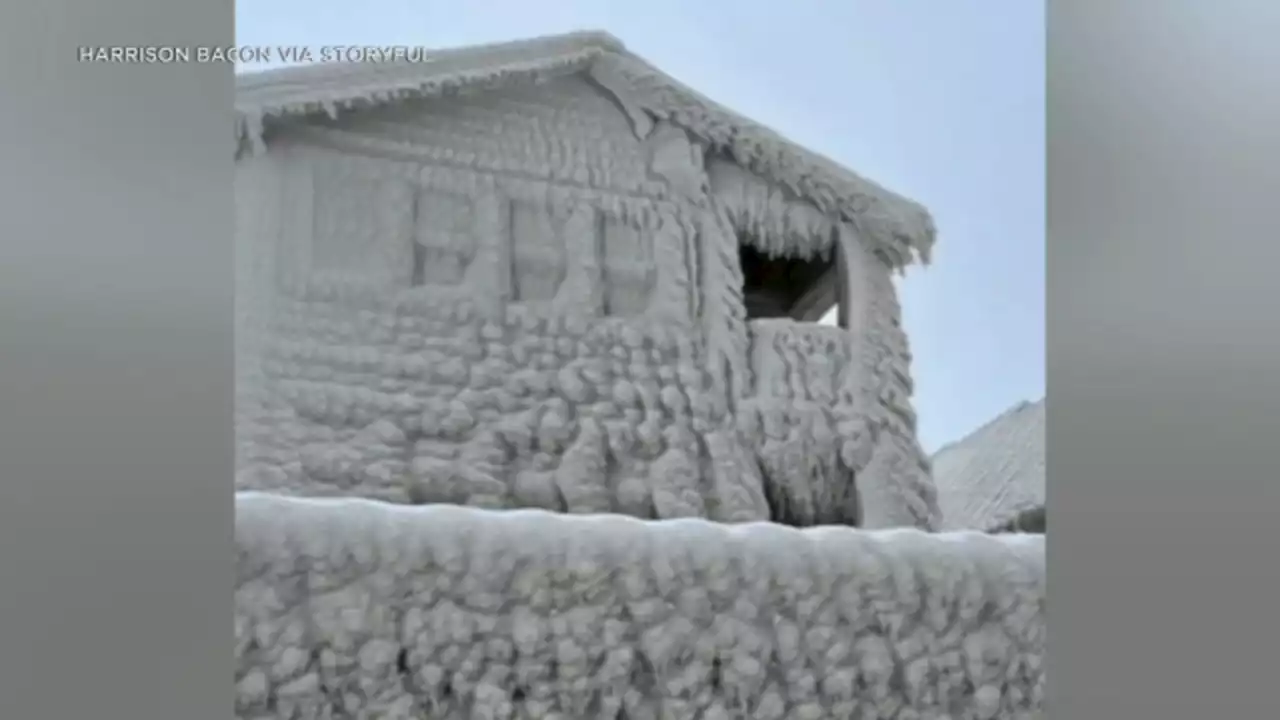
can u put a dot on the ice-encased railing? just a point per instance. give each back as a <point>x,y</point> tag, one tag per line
<point>804,361</point>
<point>822,412</point>
<point>353,608</point>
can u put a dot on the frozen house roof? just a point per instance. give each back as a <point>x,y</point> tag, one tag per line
<point>996,472</point>
<point>901,230</point>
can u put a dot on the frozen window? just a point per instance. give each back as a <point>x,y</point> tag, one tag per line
<point>537,253</point>
<point>795,288</point>
<point>444,238</point>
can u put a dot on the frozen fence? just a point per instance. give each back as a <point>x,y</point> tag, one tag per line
<point>349,608</point>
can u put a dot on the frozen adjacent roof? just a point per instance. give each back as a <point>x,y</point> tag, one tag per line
<point>347,607</point>
<point>902,229</point>
<point>989,477</point>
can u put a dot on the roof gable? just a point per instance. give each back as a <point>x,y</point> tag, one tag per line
<point>901,230</point>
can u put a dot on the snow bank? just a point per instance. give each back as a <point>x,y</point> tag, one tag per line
<point>359,608</point>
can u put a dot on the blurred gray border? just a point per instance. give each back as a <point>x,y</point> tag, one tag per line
<point>1164,349</point>
<point>115,365</point>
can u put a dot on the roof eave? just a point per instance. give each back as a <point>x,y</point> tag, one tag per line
<point>902,231</point>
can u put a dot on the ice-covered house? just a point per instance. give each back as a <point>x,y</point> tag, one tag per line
<point>532,401</point>
<point>545,275</point>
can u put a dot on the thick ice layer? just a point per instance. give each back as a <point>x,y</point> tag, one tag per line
<point>427,403</point>
<point>513,300</point>
<point>357,608</point>
<point>818,426</point>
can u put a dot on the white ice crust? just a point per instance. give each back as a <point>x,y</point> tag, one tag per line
<point>575,339</point>
<point>507,442</point>
<point>354,608</point>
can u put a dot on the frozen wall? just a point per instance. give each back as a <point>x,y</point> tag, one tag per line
<point>347,606</point>
<point>488,302</point>
<point>828,408</point>
<point>897,476</point>
<point>513,300</point>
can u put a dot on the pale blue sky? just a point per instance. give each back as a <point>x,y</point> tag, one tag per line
<point>940,100</point>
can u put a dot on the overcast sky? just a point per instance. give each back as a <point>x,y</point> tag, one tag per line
<point>940,100</point>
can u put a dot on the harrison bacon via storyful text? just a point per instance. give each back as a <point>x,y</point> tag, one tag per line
<point>251,54</point>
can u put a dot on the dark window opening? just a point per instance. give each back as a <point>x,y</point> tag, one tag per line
<point>795,288</point>
<point>1033,521</point>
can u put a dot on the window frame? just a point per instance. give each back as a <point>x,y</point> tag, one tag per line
<point>830,290</point>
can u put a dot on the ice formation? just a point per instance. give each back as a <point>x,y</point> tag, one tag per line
<point>351,608</point>
<point>987,478</point>
<point>505,286</point>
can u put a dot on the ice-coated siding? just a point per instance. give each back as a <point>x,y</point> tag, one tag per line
<point>489,301</point>
<point>511,300</point>
<point>356,608</point>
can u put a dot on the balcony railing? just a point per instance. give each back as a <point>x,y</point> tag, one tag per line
<point>804,362</point>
